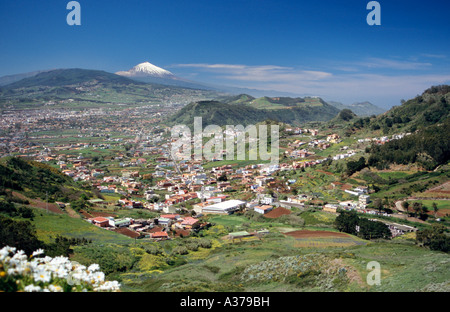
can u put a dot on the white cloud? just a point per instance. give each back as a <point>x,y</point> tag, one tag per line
<point>436,56</point>
<point>348,86</point>
<point>392,64</point>
<point>263,73</point>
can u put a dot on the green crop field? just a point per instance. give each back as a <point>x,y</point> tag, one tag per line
<point>49,225</point>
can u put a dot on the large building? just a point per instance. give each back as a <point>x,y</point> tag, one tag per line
<point>225,207</point>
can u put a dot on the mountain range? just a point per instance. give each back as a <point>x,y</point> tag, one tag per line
<point>64,82</point>
<point>84,88</point>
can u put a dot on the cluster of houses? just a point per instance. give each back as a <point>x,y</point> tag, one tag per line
<point>298,130</point>
<point>344,155</point>
<point>384,139</point>
<point>166,226</point>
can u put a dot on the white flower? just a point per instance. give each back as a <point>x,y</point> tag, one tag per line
<point>97,278</point>
<point>42,276</point>
<point>38,252</point>
<point>93,267</point>
<point>19,256</point>
<point>108,286</point>
<point>44,269</point>
<point>55,288</point>
<point>4,252</point>
<point>32,288</point>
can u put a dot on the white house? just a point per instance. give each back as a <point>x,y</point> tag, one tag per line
<point>263,209</point>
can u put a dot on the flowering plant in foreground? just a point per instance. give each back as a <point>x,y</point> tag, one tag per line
<point>36,273</point>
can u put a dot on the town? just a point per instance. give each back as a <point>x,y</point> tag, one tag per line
<point>133,169</point>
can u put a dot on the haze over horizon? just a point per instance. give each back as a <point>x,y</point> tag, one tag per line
<point>324,49</point>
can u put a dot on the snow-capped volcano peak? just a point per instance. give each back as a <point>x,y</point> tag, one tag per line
<point>146,69</point>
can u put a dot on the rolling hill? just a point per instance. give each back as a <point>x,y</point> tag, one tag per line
<point>245,110</point>
<point>91,88</point>
<point>429,108</point>
<point>36,180</point>
<point>66,77</point>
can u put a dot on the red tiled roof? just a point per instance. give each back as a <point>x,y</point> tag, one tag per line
<point>170,216</point>
<point>159,234</point>
<point>99,219</point>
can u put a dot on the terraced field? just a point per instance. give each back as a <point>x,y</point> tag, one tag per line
<point>322,239</point>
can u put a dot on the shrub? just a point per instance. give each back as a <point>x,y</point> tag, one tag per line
<point>180,250</point>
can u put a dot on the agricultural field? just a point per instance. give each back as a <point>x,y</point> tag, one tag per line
<point>49,225</point>
<point>280,263</point>
<point>323,239</point>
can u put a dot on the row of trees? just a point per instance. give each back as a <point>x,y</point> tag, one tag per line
<point>418,210</point>
<point>349,222</point>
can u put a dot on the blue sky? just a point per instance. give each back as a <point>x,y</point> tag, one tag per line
<point>324,48</point>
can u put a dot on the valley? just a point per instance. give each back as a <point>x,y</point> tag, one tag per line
<point>85,155</point>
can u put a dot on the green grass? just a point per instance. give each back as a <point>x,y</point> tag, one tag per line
<point>50,225</point>
<point>318,218</point>
<point>394,174</point>
<point>404,267</point>
<point>441,204</point>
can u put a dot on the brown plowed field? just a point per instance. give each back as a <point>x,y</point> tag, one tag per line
<point>315,234</point>
<point>127,232</point>
<point>277,212</point>
<point>102,214</point>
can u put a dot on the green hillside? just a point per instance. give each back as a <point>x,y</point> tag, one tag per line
<point>219,113</point>
<point>429,147</point>
<point>82,88</point>
<point>36,180</point>
<point>432,107</point>
<point>63,77</point>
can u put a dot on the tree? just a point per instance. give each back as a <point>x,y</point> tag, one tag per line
<point>346,114</point>
<point>435,209</point>
<point>405,205</point>
<point>417,207</point>
<point>222,178</point>
<point>346,222</point>
<point>354,166</point>
<point>378,204</point>
<point>386,203</point>
<point>434,238</point>
<point>19,234</point>
<point>373,229</point>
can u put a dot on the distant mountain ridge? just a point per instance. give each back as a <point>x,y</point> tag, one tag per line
<point>63,77</point>
<point>359,108</point>
<point>91,88</point>
<point>5,80</point>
